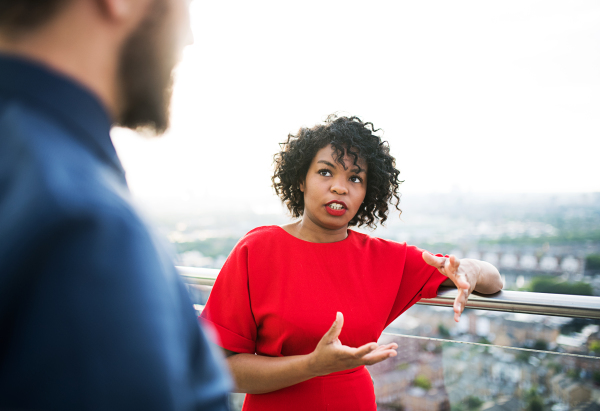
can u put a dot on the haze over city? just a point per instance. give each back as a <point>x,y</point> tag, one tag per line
<point>476,97</point>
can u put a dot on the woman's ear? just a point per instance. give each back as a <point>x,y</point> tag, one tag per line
<point>301,185</point>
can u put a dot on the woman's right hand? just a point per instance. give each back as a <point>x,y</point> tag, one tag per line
<point>331,355</point>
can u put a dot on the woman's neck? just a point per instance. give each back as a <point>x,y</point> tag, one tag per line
<point>307,230</point>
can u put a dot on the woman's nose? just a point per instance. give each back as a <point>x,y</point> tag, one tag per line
<point>339,189</point>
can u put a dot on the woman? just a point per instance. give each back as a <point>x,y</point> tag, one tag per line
<point>274,300</point>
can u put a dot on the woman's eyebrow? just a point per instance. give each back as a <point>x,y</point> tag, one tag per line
<point>355,170</point>
<point>326,162</point>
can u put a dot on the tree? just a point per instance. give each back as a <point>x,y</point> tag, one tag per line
<point>592,262</point>
<point>523,356</point>
<point>443,331</point>
<point>576,325</point>
<point>574,374</point>
<point>483,340</point>
<point>473,403</point>
<point>596,377</point>
<point>556,367</point>
<point>422,382</point>
<point>554,286</point>
<point>533,400</point>
<point>535,404</point>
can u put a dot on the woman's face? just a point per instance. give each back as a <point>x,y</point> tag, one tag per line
<point>332,194</point>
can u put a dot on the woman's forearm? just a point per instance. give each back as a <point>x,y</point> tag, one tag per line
<point>258,374</point>
<point>489,280</point>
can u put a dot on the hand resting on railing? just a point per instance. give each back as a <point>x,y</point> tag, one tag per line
<point>467,275</point>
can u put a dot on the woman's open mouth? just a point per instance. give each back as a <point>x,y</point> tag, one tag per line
<point>336,208</point>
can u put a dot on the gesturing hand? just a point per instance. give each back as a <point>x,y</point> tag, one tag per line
<point>331,355</point>
<point>462,273</point>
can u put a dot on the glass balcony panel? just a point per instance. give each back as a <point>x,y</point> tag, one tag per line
<point>488,361</point>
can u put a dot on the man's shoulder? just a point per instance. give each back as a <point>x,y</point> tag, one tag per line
<point>42,164</point>
<point>46,178</point>
<point>32,136</point>
<point>23,121</point>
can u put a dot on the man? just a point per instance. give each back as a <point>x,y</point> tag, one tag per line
<point>92,312</point>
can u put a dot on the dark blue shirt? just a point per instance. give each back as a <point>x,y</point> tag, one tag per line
<point>92,312</point>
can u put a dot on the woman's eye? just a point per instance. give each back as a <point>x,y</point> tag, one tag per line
<point>325,173</point>
<point>356,179</point>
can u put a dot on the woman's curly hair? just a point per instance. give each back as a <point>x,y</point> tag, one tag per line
<point>348,136</point>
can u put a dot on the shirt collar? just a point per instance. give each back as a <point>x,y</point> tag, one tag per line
<point>63,98</point>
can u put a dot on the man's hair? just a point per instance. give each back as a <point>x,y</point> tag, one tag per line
<point>347,135</point>
<point>146,59</point>
<point>20,16</point>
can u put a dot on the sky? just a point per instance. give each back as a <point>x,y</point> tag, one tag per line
<point>472,96</point>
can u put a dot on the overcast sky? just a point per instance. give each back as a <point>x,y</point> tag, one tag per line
<point>478,96</point>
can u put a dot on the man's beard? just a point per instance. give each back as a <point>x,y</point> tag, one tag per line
<point>145,73</point>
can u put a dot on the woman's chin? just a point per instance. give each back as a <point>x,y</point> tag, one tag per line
<point>335,223</point>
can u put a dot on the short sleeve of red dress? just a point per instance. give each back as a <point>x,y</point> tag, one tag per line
<point>229,303</point>
<point>419,280</point>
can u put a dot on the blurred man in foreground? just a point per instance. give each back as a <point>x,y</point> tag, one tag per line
<point>92,312</point>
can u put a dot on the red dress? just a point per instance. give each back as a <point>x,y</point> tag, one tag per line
<point>277,295</point>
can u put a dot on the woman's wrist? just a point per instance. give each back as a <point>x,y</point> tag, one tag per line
<point>311,365</point>
<point>472,269</point>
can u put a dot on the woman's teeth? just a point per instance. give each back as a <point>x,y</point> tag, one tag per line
<point>336,206</point>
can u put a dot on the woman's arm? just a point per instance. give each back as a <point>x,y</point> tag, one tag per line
<point>258,374</point>
<point>488,280</point>
<point>467,275</point>
<point>486,276</point>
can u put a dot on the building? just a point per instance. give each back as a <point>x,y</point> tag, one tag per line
<point>569,392</point>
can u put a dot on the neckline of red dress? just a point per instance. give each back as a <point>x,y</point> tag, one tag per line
<point>350,233</point>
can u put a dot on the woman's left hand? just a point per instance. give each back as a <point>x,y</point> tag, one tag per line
<point>463,273</point>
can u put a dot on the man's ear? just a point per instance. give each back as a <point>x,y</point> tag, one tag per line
<point>122,9</point>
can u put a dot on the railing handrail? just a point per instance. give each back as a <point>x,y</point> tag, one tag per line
<point>563,305</point>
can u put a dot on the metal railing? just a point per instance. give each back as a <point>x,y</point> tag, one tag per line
<point>562,305</point>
